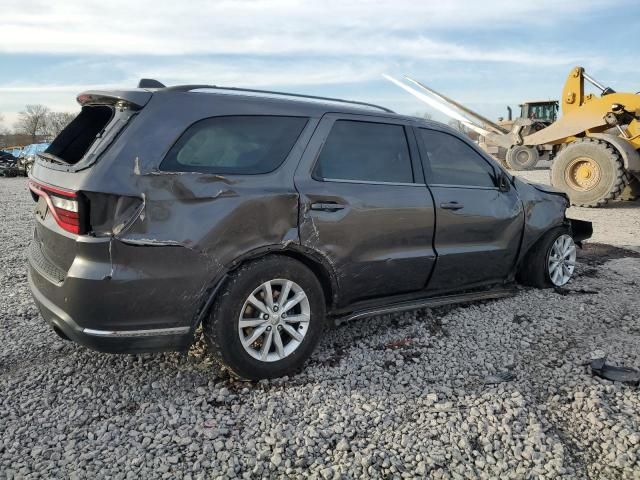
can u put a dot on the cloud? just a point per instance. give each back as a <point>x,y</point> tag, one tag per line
<point>405,29</point>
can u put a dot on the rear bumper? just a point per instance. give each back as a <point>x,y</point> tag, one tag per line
<point>110,341</point>
<point>117,298</point>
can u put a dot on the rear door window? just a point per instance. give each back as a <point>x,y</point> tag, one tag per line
<point>234,145</point>
<point>365,151</point>
<point>452,162</point>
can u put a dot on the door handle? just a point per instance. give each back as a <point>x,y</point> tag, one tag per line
<point>451,206</point>
<point>327,206</point>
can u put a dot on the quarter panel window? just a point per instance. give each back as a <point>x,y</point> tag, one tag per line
<point>365,151</point>
<point>452,162</point>
<point>234,145</point>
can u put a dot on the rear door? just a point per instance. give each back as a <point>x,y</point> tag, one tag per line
<point>365,207</point>
<point>478,226</point>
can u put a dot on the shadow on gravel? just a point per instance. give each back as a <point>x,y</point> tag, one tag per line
<point>595,254</point>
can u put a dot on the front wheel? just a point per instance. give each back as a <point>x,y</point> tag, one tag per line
<point>550,262</point>
<point>267,319</point>
<point>522,157</point>
<point>590,171</point>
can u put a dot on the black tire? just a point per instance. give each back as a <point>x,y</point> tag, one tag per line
<point>613,178</point>
<point>534,270</point>
<point>522,157</point>
<point>631,190</point>
<point>221,327</point>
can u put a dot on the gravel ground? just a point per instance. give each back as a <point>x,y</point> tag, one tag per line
<point>390,397</point>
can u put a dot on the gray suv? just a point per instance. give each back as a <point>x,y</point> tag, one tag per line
<point>259,216</point>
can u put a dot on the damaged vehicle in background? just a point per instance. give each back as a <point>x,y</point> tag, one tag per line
<point>260,216</point>
<point>8,164</point>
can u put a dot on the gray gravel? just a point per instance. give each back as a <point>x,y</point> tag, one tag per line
<point>395,397</point>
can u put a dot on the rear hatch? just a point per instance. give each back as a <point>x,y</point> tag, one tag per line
<point>68,217</point>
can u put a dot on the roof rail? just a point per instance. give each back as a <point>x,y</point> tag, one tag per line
<point>187,88</point>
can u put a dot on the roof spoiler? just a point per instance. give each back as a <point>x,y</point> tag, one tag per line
<point>135,98</point>
<point>150,83</point>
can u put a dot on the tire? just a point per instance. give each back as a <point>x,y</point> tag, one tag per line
<point>522,157</point>
<point>536,270</point>
<point>222,328</point>
<point>604,164</point>
<point>631,190</point>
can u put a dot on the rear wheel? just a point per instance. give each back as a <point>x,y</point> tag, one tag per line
<point>590,171</point>
<point>550,262</point>
<point>522,157</point>
<point>267,319</point>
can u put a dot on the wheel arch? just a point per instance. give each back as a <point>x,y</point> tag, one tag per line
<point>318,265</point>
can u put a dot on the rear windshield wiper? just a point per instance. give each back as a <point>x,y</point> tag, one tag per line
<point>52,158</point>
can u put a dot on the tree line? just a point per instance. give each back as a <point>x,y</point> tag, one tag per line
<point>37,122</point>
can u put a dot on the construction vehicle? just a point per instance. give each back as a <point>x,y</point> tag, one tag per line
<point>594,143</point>
<point>542,114</point>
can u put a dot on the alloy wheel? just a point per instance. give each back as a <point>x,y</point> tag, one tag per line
<point>274,320</point>
<point>562,260</point>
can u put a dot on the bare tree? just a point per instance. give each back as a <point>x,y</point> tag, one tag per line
<point>425,115</point>
<point>56,121</point>
<point>3,128</point>
<point>457,125</point>
<point>32,121</point>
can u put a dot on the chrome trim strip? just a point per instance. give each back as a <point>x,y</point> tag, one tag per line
<point>135,333</point>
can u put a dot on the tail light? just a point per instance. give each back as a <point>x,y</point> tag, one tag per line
<point>64,205</point>
<point>91,213</point>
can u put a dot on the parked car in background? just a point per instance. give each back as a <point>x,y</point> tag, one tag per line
<point>259,217</point>
<point>8,164</point>
<point>28,155</point>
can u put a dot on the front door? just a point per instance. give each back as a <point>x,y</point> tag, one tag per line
<point>365,208</point>
<point>478,226</point>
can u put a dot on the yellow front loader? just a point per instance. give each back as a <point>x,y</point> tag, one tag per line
<point>595,141</point>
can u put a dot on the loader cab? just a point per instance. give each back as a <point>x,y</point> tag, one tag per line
<point>545,112</point>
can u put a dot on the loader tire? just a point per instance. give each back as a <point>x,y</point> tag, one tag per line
<point>631,190</point>
<point>590,171</point>
<point>522,157</point>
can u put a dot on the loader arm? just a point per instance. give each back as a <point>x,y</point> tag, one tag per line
<point>591,117</point>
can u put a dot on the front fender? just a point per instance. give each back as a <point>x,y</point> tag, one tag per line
<point>543,211</point>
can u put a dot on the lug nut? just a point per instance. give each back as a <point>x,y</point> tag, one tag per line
<point>268,329</point>
<point>265,316</point>
<point>284,315</point>
<point>279,327</point>
<point>275,308</point>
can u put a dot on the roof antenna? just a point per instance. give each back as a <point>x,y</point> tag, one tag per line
<point>150,83</point>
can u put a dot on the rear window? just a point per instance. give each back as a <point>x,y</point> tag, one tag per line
<point>234,145</point>
<point>75,140</point>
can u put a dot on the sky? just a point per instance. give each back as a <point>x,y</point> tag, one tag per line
<point>485,54</point>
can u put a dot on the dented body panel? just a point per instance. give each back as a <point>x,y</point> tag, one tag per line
<point>162,242</point>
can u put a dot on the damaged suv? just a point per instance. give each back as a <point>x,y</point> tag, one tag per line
<point>259,216</point>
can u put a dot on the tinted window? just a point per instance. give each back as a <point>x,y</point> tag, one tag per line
<point>452,162</point>
<point>374,152</point>
<point>242,144</point>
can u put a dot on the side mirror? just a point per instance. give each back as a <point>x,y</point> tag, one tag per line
<point>504,182</point>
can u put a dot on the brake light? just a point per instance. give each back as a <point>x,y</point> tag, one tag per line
<point>63,205</point>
